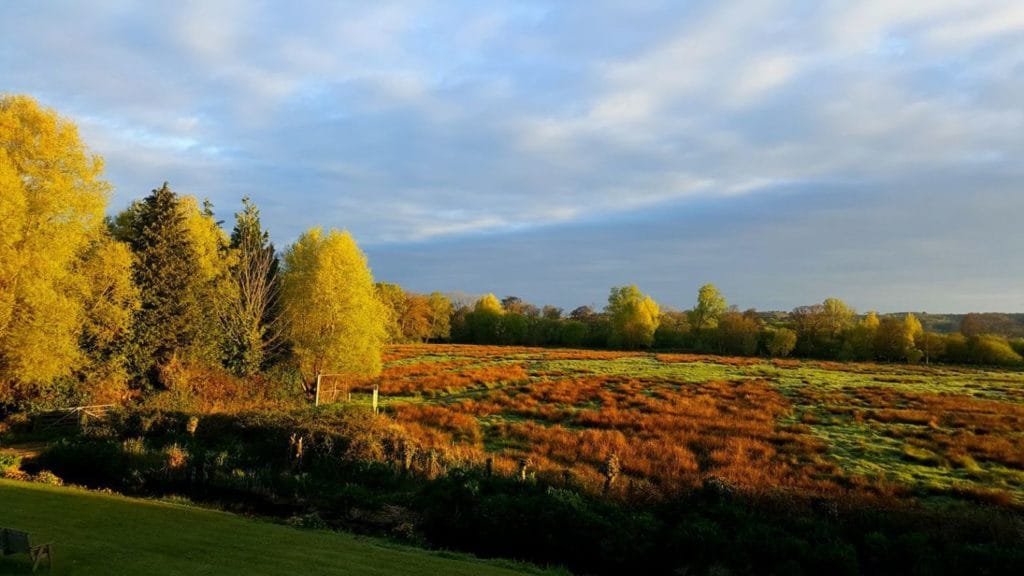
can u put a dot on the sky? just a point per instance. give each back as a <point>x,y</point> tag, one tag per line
<point>785,151</point>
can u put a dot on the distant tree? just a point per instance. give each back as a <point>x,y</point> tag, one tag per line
<point>894,340</point>
<point>738,333</point>
<point>599,331</point>
<point>545,331</point>
<point>836,317</point>
<point>913,332</point>
<point>395,302</point>
<point>415,321</point>
<point>458,324</point>
<point>710,306</point>
<point>859,339</point>
<point>993,350</point>
<point>440,316</point>
<point>551,312</point>
<point>634,318</point>
<point>1017,344</point>
<point>517,305</point>
<point>957,349</point>
<point>489,303</point>
<point>973,325</point>
<point>820,327</point>
<point>572,334</point>
<point>334,320</point>
<point>673,330</point>
<point>781,342</point>
<point>582,313</point>
<point>931,345</point>
<point>484,322</point>
<point>513,328</point>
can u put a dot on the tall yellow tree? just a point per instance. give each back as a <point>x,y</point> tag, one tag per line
<point>51,212</point>
<point>333,318</point>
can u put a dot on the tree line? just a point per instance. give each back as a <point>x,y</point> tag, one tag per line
<point>831,330</point>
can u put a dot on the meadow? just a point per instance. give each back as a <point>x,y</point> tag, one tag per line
<point>937,435</point>
<point>598,462</point>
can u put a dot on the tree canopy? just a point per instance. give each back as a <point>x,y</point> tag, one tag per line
<point>51,239</point>
<point>334,320</point>
<point>634,318</point>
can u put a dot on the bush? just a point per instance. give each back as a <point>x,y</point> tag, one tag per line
<point>47,477</point>
<point>994,350</point>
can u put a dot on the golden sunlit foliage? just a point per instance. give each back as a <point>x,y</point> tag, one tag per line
<point>333,316</point>
<point>634,318</point>
<point>489,303</point>
<point>710,306</point>
<point>53,246</point>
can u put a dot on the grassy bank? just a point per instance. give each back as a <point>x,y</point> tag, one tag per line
<point>112,535</point>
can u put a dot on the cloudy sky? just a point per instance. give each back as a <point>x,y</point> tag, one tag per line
<point>786,151</point>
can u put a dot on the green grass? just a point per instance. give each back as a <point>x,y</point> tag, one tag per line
<point>113,535</point>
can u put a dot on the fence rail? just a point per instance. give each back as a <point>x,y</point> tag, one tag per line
<point>76,416</point>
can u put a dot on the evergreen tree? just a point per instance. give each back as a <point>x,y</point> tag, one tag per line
<point>252,319</point>
<point>167,272</point>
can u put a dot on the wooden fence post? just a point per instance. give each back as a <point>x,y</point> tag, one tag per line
<point>316,401</point>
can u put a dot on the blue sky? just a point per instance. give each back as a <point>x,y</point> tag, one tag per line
<point>786,151</point>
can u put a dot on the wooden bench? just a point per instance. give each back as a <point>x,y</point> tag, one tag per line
<point>16,542</point>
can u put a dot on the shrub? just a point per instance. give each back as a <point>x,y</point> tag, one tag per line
<point>47,477</point>
<point>990,349</point>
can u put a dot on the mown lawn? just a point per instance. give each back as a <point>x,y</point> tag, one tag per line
<point>111,535</point>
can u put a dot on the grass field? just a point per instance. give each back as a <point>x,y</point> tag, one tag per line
<point>111,535</point>
<point>937,434</point>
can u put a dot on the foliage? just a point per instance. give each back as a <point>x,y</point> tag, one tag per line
<point>180,270</point>
<point>710,306</point>
<point>634,318</point>
<point>51,224</point>
<point>252,317</point>
<point>738,333</point>
<point>820,327</point>
<point>440,316</point>
<point>673,330</point>
<point>395,303</point>
<point>781,342</point>
<point>993,350</point>
<point>895,338</point>
<point>334,320</point>
<point>415,317</point>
